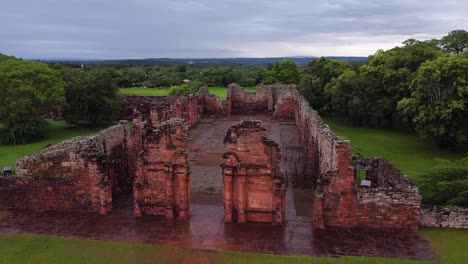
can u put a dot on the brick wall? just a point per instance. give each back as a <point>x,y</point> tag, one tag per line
<point>254,187</point>
<point>162,184</point>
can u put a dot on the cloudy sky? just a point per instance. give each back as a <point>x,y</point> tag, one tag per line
<point>111,29</point>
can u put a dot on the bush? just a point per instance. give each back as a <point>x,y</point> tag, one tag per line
<point>23,132</point>
<point>180,90</point>
<point>446,184</point>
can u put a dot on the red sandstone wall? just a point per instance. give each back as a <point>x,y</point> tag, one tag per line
<point>254,187</point>
<point>339,202</point>
<point>188,107</point>
<point>162,184</point>
<point>212,105</point>
<point>78,174</point>
<point>241,102</point>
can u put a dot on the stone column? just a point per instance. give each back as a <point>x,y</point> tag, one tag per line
<point>183,199</point>
<point>227,180</point>
<point>169,193</point>
<point>240,199</point>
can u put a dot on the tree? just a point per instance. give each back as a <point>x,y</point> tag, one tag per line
<point>29,90</point>
<point>438,103</point>
<point>317,76</point>
<point>455,42</point>
<point>348,93</point>
<point>388,75</point>
<point>285,72</point>
<point>92,97</point>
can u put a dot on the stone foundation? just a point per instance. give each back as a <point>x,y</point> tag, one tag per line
<point>254,187</point>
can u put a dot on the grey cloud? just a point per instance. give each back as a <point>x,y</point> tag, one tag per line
<point>218,28</point>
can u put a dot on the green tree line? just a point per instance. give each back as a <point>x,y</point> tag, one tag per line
<point>420,86</point>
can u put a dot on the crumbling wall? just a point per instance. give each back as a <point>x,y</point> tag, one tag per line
<point>433,216</point>
<point>143,105</point>
<point>392,201</point>
<point>212,104</point>
<point>187,107</point>
<point>241,102</point>
<point>78,174</point>
<point>254,187</point>
<point>162,184</point>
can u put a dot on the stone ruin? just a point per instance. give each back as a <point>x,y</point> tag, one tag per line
<point>254,187</point>
<point>148,158</point>
<point>163,178</point>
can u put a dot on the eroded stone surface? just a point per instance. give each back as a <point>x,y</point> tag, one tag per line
<point>254,186</point>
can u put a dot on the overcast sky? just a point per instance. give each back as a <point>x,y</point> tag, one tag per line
<point>111,29</point>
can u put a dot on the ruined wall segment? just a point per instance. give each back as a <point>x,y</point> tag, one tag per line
<point>254,187</point>
<point>212,104</point>
<point>241,102</point>
<point>189,107</point>
<point>75,175</point>
<point>391,202</point>
<point>162,183</point>
<point>433,216</point>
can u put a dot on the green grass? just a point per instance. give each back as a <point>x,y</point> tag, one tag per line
<point>159,91</point>
<point>221,92</point>
<point>26,248</point>
<point>409,153</point>
<point>58,131</point>
<point>450,244</point>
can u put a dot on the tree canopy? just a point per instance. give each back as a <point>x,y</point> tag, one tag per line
<point>285,72</point>
<point>29,91</point>
<point>92,96</point>
<point>455,42</point>
<point>438,103</point>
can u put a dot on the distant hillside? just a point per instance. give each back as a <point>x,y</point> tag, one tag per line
<point>259,62</point>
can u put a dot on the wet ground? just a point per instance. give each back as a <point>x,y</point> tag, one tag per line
<point>206,230</point>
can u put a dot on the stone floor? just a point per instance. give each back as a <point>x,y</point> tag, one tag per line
<point>206,148</point>
<point>206,230</point>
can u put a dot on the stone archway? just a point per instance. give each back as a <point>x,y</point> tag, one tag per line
<point>254,186</point>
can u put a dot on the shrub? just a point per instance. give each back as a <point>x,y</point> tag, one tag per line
<point>180,90</point>
<point>23,132</point>
<point>446,184</point>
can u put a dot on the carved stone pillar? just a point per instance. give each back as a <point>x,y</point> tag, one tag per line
<point>169,193</point>
<point>227,179</point>
<point>241,218</point>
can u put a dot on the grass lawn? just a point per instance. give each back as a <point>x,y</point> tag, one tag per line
<point>450,244</point>
<point>58,131</point>
<point>158,91</point>
<point>26,248</point>
<point>221,92</point>
<point>409,153</point>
